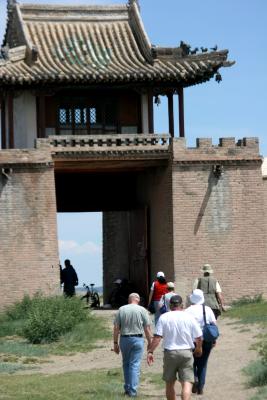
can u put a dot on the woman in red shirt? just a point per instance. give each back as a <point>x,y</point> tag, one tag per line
<point>158,289</point>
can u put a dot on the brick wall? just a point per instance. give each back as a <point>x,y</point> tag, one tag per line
<point>28,234</point>
<point>220,221</point>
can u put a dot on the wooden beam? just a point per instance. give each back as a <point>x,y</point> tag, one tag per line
<point>150,113</point>
<point>3,124</point>
<point>181,111</point>
<point>41,116</point>
<point>10,119</point>
<point>171,116</point>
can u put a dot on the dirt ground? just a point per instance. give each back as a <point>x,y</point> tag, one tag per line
<point>224,377</point>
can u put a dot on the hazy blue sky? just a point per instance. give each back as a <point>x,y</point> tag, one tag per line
<point>235,107</point>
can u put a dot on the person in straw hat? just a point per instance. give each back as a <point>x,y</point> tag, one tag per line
<point>211,289</point>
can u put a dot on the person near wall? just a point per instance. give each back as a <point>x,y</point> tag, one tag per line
<point>165,299</point>
<point>157,290</point>
<point>200,363</point>
<point>69,279</point>
<point>181,336</point>
<point>131,324</point>
<point>211,289</point>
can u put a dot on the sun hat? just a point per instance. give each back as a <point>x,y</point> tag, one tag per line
<point>176,299</point>
<point>170,285</point>
<point>207,268</point>
<point>160,274</point>
<point>197,297</point>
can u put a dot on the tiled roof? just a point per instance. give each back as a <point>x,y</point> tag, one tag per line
<point>93,44</point>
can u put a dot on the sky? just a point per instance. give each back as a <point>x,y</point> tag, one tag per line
<point>237,107</point>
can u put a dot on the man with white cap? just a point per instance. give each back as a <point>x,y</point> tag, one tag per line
<point>200,363</point>
<point>211,289</point>
<point>165,299</point>
<point>158,289</point>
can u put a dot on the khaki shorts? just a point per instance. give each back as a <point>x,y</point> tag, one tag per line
<point>178,362</point>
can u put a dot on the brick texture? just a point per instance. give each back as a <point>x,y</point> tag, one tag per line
<point>220,221</point>
<point>28,234</point>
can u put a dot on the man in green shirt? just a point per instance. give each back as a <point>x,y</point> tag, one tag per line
<point>131,324</point>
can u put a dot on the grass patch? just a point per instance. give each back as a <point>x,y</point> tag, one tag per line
<point>254,311</point>
<point>82,338</point>
<point>21,348</point>
<point>101,385</point>
<point>10,368</point>
<point>261,395</point>
<point>249,313</point>
<point>245,300</point>
<point>155,380</point>
<point>54,325</point>
<point>91,385</point>
<point>257,372</point>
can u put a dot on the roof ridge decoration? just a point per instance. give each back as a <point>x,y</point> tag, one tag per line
<point>131,2</point>
<point>15,18</point>
<point>139,30</point>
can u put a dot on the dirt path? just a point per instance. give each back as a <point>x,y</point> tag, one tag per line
<point>224,378</point>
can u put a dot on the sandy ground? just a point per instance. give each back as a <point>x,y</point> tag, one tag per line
<point>225,379</point>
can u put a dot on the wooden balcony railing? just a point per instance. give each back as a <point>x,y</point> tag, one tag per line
<point>106,142</point>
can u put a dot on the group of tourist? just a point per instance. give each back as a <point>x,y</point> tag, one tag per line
<point>180,329</point>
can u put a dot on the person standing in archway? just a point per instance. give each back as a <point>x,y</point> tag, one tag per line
<point>69,279</point>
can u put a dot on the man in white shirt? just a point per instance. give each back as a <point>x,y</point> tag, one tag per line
<point>181,334</point>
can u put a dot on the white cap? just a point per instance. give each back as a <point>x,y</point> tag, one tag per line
<point>160,274</point>
<point>197,297</point>
<point>170,285</point>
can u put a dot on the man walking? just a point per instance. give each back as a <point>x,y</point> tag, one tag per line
<point>212,290</point>
<point>131,323</point>
<point>181,334</point>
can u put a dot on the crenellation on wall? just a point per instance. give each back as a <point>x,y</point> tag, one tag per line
<point>204,143</point>
<point>227,142</point>
<point>228,149</point>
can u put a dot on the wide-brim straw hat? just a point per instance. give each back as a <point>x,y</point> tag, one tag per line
<point>207,268</point>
